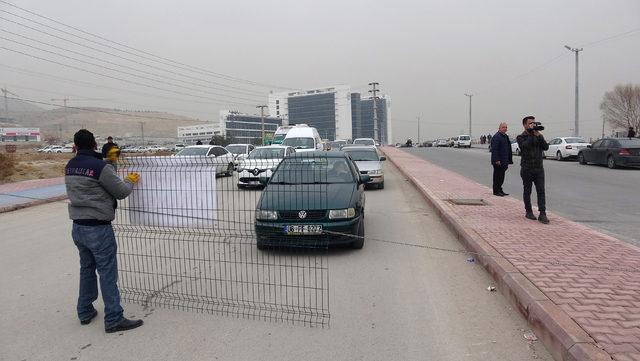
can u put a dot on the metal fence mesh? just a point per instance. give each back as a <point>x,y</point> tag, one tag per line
<point>187,240</point>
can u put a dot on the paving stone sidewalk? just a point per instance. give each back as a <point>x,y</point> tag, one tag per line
<point>32,192</point>
<point>594,278</point>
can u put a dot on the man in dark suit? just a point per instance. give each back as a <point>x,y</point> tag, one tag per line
<point>501,157</point>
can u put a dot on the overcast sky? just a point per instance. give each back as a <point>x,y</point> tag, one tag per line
<point>425,54</point>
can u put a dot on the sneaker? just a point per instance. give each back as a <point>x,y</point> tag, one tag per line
<point>543,218</point>
<point>123,325</point>
<point>530,215</point>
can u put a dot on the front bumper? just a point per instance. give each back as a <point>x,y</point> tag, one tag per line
<point>272,233</point>
<point>249,179</point>
<point>376,179</point>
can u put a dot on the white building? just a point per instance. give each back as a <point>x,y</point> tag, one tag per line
<point>326,109</point>
<point>19,134</point>
<point>194,133</point>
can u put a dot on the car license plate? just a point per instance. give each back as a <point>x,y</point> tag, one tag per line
<point>303,229</point>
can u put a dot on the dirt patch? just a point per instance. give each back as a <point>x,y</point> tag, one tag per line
<point>27,166</point>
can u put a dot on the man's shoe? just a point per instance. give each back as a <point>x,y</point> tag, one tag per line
<point>503,193</point>
<point>498,194</point>
<point>87,321</point>
<point>530,215</point>
<point>543,218</point>
<point>124,325</point>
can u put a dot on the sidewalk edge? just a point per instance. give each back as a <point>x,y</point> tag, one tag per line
<point>563,337</point>
<point>15,207</point>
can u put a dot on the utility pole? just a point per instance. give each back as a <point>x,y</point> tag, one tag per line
<point>470,96</point>
<point>418,130</point>
<point>373,91</point>
<point>5,91</point>
<point>576,129</point>
<point>142,131</point>
<point>262,118</point>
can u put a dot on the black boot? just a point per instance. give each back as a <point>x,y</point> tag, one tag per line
<point>530,215</point>
<point>543,218</point>
<point>124,325</point>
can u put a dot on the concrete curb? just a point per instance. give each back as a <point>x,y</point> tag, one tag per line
<point>563,337</point>
<point>15,207</point>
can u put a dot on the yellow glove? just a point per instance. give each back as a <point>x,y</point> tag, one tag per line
<point>132,177</point>
<point>113,154</point>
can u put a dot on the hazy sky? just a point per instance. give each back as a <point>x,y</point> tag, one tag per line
<point>424,54</point>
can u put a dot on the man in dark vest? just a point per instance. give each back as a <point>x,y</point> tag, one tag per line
<point>501,157</point>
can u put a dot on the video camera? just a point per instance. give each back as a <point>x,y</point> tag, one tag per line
<point>537,126</point>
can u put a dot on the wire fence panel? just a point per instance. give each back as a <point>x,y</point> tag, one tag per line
<point>187,240</point>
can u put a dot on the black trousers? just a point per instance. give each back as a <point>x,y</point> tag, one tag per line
<point>533,177</point>
<point>498,178</point>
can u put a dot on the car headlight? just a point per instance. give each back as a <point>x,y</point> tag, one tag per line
<point>342,213</point>
<point>375,171</point>
<point>266,215</point>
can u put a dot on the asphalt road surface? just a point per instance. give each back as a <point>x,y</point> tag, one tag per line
<point>599,197</point>
<point>388,301</point>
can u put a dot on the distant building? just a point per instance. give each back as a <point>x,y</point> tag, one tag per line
<point>335,111</point>
<point>19,134</point>
<point>194,133</point>
<point>247,128</point>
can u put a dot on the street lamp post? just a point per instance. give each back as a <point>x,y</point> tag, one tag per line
<point>576,129</point>
<point>470,96</point>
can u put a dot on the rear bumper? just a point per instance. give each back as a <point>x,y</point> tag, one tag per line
<point>628,160</point>
<point>334,233</point>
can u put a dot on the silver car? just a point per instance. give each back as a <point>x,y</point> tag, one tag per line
<point>368,162</point>
<point>261,162</point>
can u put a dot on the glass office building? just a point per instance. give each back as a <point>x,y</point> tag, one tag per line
<point>247,128</point>
<point>317,110</point>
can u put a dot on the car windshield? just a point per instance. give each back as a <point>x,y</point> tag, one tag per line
<point>278,138</point>
<point>629,143</point>
<point>237,149</point>
<point>318,170</point>
<point>193,151</point>
<point>299,143</point>
<point>364,142</point>
<point>267,153</point>
<point>363,155</point>
<point>464,137</point>
<point>574,140</point>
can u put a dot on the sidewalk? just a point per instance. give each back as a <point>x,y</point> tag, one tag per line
<point>30,193</point>
<point>578,288</point>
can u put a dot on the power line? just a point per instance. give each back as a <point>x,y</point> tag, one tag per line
<point>123,80</point>
<point>231,87</point>
<point>179,64</point>
<point>121,71</point>
<point>613,37</point>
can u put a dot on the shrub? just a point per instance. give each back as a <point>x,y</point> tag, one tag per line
<point>7,166</point>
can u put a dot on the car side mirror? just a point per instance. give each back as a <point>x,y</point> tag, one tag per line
<point>263,180</point>
<point>365,178</point>
<point>589,146</point>
<point>383,159</point>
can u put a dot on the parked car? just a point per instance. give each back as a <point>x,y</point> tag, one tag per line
<point>613,152</point>
<point>178,147</point>
<point>462,141</point>
<point>442,143</point>
<point>515,148</point>
<point>261,162</point>
<point>368,162</point>
<point>364,141</point>
<point>239,151</point>
<point>565,147</point>
<point>313,199</point>
<point>224,159</point>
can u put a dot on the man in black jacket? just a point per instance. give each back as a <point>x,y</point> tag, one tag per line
<point>501,157</point>
<point>532,144</point>
<point>631,133</point>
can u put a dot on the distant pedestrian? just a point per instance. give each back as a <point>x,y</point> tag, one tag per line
<point>199,142</point>
<point>107,146</point>
<point>532,144</point>
<point>632,133</point>
<point>93,187</point>
<point>488,138</point>
<point>501,157</point>
<point>483,139</point>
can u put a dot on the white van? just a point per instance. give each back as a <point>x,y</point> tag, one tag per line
<point>462,141</point>
<point>303,138</point>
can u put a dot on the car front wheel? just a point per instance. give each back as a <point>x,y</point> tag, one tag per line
<point>358,243</point>
<point>558,156</point>
<point>611,162</point>
<point>581,159</point>
<point>229,170</point>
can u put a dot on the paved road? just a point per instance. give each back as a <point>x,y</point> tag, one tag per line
<point>389,301</point>
<point>602,198</point>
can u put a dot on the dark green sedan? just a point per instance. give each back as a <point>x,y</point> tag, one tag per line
<point>313,199</point>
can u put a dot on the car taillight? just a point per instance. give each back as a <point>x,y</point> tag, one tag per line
<point>624,151</point>
<point>568,147</point>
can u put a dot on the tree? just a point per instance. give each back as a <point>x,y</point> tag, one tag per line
<point>51,139</point>
<point>621,106</point>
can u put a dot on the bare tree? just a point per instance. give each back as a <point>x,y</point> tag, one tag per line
<point>621,106</point>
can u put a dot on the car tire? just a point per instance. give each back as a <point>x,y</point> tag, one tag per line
<point>260,244</point>
<point>381,185</point>
<point>581,159</point>
<point>229,170</point>
<point>359,242</point>
<point>559,156</point>
<point>240,186</point>
<point>611,162</point>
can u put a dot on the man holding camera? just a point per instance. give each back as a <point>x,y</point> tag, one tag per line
<point>532,144</point>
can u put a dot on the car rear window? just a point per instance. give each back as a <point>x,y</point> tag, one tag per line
<point>193,151</point>
<point>574,140</point>
<point>629,143</point>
